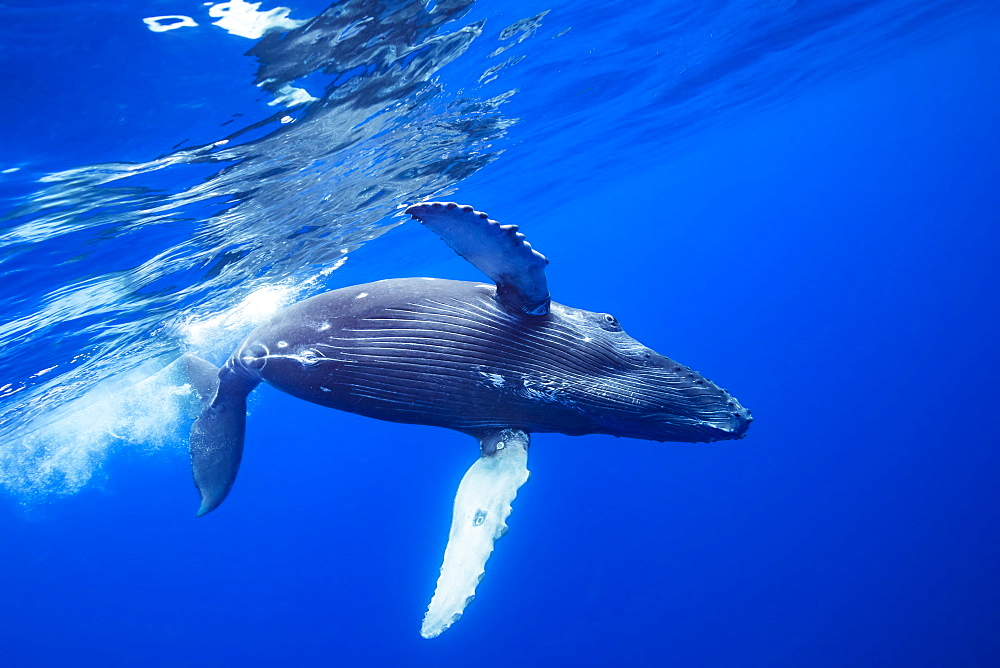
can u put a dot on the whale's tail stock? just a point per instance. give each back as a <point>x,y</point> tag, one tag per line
<point>216,446</point>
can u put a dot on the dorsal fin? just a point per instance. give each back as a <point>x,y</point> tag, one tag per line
<point>499,251</point>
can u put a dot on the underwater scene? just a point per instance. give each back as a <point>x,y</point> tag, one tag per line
<point>721,275</point>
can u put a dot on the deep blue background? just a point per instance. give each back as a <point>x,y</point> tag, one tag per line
<point>832,262</point>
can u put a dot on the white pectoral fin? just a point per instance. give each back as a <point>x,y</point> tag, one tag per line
<point>482,505</point>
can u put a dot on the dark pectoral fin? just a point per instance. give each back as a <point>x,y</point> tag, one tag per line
<point>217,441</point>
<point>499,251</point>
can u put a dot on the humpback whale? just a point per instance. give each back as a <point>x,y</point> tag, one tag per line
<point>497,361</point>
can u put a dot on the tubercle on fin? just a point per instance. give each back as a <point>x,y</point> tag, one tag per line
<point>416,209</point>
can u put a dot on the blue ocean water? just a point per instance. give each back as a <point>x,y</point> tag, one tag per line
<point>796,198</point>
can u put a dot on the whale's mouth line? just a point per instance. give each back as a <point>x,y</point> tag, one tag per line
<point>721,430</point>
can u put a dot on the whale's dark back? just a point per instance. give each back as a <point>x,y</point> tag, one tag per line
<point>446,353</point>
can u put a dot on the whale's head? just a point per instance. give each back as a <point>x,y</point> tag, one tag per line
<point>638,393</point>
